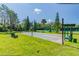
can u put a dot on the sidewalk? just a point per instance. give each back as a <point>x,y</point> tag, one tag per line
<point>50,37</point>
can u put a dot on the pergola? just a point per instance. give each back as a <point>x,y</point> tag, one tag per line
<point>69,28</point>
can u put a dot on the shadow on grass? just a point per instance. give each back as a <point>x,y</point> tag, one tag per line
<point>8,32</point>
<point>72,46</point>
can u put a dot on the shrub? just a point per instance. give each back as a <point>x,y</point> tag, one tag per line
<point>14,35</point>
<point>75,40</point>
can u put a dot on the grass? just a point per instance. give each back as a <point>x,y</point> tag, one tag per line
<point>32,46</point>
<point>47,32</point>
<point>53,32</point>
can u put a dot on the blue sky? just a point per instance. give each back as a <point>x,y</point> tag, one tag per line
<point>37,11</point>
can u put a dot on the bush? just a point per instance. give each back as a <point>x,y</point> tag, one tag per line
<point>75,40</point>
<point>13,35</point>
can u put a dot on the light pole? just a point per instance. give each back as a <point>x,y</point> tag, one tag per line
<point>32,27</point>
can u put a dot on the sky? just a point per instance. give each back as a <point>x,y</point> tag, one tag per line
<point>39,11</point>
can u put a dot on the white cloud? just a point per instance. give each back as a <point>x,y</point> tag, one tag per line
<point>37,10</point>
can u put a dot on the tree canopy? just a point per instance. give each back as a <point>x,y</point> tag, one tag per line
<point>57,23</point>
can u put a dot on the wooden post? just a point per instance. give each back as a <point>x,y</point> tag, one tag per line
<point>62,31</point>
<point>71,34</point>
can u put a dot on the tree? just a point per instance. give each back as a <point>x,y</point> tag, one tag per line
<point>4,15</point>
<point>57,23</point>
<point>35,26</point>
<point>13,19</point>
<point>19,27</point>
<point>9,17</point>
<point>4,10</point>
<point>26,24</point>
<point>50,27</point>
<point>43,21</point>
<point>18,24</point>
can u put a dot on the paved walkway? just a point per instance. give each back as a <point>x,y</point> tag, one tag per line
<point>51,37</point>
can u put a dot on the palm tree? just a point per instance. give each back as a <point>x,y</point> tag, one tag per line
<point>13,19</point>
<point>8,16</point>
<point>4,15</point>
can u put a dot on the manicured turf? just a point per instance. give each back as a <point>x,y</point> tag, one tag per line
<point>47,32</point>
<point>31,46</point>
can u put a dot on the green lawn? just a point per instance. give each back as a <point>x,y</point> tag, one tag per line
<point>31,46</point>
<point>47,31</point>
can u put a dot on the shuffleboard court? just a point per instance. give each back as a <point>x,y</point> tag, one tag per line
<point>50,37</point>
